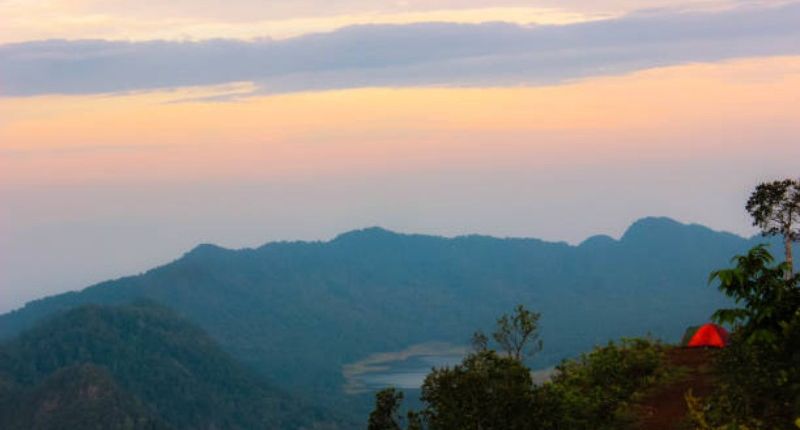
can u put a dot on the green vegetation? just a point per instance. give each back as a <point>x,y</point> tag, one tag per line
<point>598,390</point>
<point>297,312</point>
<point>489,390</point>
<point>517,335</point>
<point>759,375</point>
<point>775,208</point>
<point>134,367</point>
<point>485,391</point>
<point>82,396</point>
<point>386,414</point>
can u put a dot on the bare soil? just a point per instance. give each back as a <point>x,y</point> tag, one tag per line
<point>665,408</point>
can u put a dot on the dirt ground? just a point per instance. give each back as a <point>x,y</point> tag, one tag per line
<point>665,408</point>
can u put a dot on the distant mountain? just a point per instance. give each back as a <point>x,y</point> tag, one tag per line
<point>298,311</point>
<point>134,367</point>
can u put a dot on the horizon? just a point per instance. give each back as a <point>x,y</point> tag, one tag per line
<point>618,238</point>
<point>131,131</point>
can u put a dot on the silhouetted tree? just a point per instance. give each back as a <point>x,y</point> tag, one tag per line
<point>518,334</point>
<point>385,416</point>
<point>415,421</point>
<point>480,342</point>
<point>775,208</point>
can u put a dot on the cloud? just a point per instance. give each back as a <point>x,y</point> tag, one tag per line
<point>423,54</point>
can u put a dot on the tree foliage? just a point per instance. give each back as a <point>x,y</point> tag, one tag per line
<point>138,364</point>
<point>490,390</point>
<point>486,391</point>
<point>598,388</point>
<point>775,208</point>
<point>770,303</point>
<point>518,334</point>
<point>385,415</point>
<point>759,372</point>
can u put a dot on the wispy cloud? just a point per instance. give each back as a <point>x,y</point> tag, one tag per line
<point>404,55</point>
<point>132,28</point>
<point>26,20</point>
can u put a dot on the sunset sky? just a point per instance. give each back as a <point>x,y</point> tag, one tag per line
<point>131,131</point>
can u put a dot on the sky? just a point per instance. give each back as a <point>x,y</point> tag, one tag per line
<point>131,131</point>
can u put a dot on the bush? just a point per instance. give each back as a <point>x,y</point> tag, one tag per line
<point>759,373</point>
<point>597,389</point>
<point>492,391</point>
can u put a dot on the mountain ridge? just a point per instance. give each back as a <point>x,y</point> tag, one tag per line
<point>297,312</point>
<point>374,232</point>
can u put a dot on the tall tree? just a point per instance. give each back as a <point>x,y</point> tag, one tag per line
<point>759,379</point>
<point>775,208</point>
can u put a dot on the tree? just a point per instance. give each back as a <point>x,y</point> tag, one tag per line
<point>758,375</point>
<point>775,208</point>
<point>415,421</point>
<point>385,416</point>
<point>518,334</point>
<point>486,391</point>
<point>495,391</point>
<point>770,301</point>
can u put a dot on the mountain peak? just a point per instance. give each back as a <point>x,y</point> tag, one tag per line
<point>650,227</point>
<point>205,250</point>
<point>657,221</point>
<point>597,241</point>
<point>660,230</point>
<point>369,233</point>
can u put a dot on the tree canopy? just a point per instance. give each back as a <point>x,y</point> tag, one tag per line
<point>759,376</point>
<point>139,364</point>
<point>775,208</point>
<point>385,416</point>
<point>495,391</point>
<point>518,334</point>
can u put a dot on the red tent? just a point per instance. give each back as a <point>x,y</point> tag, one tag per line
<point>709,335</point>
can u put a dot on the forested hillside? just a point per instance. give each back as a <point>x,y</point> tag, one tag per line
<point>298,311</point>
<point>139,367</point>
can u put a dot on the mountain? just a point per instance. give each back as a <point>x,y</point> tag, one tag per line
<point>298,311</point>
<point>75,397</point>
<point>134,367</point>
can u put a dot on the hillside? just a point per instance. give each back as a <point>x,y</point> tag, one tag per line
<point>79,396</point>
<point>136,366</point>
<point>298,311</point>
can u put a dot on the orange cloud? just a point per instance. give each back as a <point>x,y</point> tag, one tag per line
<point>693,110</point>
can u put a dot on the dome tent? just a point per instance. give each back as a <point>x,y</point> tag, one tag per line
<point>706,335</point>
